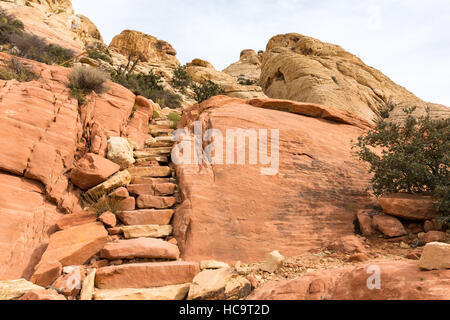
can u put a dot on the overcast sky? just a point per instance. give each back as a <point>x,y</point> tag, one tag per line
<point>408,40</point>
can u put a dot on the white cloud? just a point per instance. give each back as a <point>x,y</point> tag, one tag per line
<point>408,40</point>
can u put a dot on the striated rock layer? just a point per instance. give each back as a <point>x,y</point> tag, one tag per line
<point>297,67</point>
<point>233,212</point>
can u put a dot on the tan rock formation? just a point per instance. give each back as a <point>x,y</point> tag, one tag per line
<point>297,67</point>
<point>56,22</point>
<point>247,69</point>
<point>200,70</point>
<point>227,209</point>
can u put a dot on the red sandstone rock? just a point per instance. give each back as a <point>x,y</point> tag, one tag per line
<point>140,248</point>
<point>121,192</point>
<point>154,202</point>
<point>75,219</point>
<point>127,204</point>
<point>145,217</point>
<point>109,219</point>
<point>74,246</point>
<point>305,206</point>
<point>146,275</point>
<point>432,236</point>
<point>400,280</point>
<point>42,295</point>
<point>48,272</point>
<point>409,207</point>
<point>92,170</point>
<point>366,223</point>
<point>70,284</point>
<point>389,226</point>
<point>347,244</point>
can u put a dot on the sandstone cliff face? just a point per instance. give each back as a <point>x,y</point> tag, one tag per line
<point>232,212</point>
<point>248,68</point>
<point>56,22</point>
<point>44,132</point>
<point>301,68</point>
<point>199,70</point>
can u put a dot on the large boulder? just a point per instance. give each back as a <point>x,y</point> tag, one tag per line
<point>409,206</point>
<point>436,256</point>
<point>301,68</point>
<point>92,170</point>
<point>399,280</point>
<point>233,212</point>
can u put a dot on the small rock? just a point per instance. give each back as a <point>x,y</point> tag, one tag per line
<point>404,245</point>
<point>109,219</point>
<point>253,281</point>
<point>212,264</point>
<point>273,262</point>
<point>70,284</point>
<point>42,295</point>
<point>436,256</point>
<point>347,245</point>
<point>366,223</point>
<point>120,151</point>
<point>389,226</point>
<point>121,192</point>
<point>414,254</point>
<point>358,257</point>
<point>88,287</point>
<point>431,236</point>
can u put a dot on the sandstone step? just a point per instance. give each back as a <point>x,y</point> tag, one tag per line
<point>158,144</point>
<point>167,293</point>
<point>152,180</point>
<point>152,152</point>
<point>164,138</point>
<point>146,275</point>
<point>144,248</point>
<point>162,189</point>
<point>147,231</point>
<point>161,132</point>
<point>166,123</point>
<point>150,172</point>
<point>162,159</point>
<point>146,217</point>
<point>155,202</point>
<point>118,180</point>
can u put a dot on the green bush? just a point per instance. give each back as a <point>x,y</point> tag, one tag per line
<point>98,55</point>
<point>14,69</point>
<point>181,79</point>
<point>8,26</point>
<point>149,86</point>
<point>413,157</point>
<point>175,118</point>
<point>206,90</point>
<point>83,80</point>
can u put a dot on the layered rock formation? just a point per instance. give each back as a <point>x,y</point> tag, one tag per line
<point>248,69</point>
<point>233,212</point>
<point>56,22</point>
<point>297,67</point>
<point>44,132</point>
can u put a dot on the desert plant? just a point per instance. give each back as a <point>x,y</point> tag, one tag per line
<point>14,69</point>
<point>246,82</point>
<point>412,157</point>
<point>206,90</point>
<point>104,204</point>
<point>175,118</point>
<point>84,80</point>
<point>98,55</point>
<point>181,79</point>
<point>9,25</point>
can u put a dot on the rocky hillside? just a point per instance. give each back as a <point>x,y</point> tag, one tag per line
<point>95,205</point>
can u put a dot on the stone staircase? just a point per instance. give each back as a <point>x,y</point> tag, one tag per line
<point>144,259</point>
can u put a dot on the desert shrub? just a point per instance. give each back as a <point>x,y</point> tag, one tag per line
<point>246,82</point>
<point>149,86</point>
<point>181,79</point>
<point>175,118</point>
<point>83,80</point>
<point>104,204</point>
<point>98,55</point>
<point>206,90</point>
<point>412,157</point>
<point>9,25</point>
<point>14,69</point>
<point>156,114</point>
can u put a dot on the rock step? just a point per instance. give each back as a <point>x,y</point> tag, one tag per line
<point>175,292</point>
<point>152,180</point>
<point>163,159</point>
<point>153,152</point>
<point>145,248</point>
<point>146,275</point>
<point>166,123</point>
<point>146,217</point>
<point>147,231</point>
<point>162,189</point>
<point>155,202</point>
<point>156,132</point>
<point>164,139</point>
<point>158,144</point>
<point>150,172</point>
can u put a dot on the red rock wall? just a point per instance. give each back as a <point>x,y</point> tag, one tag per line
<point>232,212</point>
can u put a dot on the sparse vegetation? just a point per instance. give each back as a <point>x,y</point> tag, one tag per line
<point>106,203</point>
<point>9,25</point>
<point>98,55</point>
<point>181,79</point>
<point>206,90</point>
<point>413,157</point>
<point>84,80</point>
<point>149,86</point>
<point>14,69</point>
<point>246,82</point>
<point>175,118</point>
